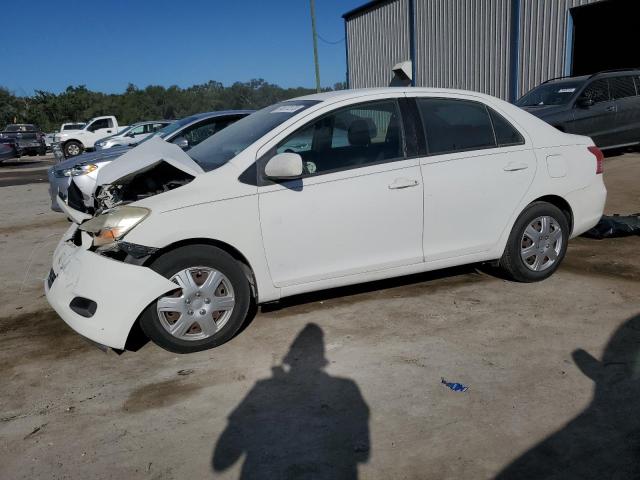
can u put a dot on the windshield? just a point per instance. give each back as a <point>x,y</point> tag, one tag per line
<point>223,146</point>
<point>174,127</point>
<point>558,93</point>
<point>20,128</point>
<point>124,132</point>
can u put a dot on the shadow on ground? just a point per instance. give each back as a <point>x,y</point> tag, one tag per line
<point>604,440</point>
<point>300,422</point>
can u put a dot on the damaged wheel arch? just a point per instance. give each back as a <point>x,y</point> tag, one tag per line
<point>234,252</point>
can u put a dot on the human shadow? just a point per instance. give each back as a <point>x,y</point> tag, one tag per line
<point>300,422</point>
<point>604,440</point>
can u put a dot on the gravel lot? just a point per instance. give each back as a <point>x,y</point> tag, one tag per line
<point>68,410</point>
<point>25,170</point>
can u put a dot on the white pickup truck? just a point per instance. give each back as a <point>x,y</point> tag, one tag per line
<point>73,142</point>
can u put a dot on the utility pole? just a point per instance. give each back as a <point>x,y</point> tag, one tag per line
<point>315,43</point>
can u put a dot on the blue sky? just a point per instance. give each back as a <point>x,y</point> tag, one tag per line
<point>107,44</point>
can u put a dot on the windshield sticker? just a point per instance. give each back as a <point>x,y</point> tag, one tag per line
<point>287,109</point>
<point>566,90</point>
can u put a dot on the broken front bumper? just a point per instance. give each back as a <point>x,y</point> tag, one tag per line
<point>100,298</point>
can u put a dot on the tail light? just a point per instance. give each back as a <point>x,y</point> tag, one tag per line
<point>599,159</point>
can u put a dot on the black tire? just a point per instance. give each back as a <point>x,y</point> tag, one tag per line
<point>69,148</point>
<point>512,263</point>
<point>205,256</point>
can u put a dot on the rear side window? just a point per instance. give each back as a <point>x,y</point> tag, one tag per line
<point>455,125</point>
<point>622,87</point>
<point>598,91</point>
<point>506,134</point>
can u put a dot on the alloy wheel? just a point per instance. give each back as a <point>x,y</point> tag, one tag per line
<point>541,243</point>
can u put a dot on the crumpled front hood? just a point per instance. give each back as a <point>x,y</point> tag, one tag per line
<point>145,155</point>
<point>92,157</point>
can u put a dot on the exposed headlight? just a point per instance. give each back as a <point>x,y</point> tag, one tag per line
<point>114,224</point>
<point>77,170</point>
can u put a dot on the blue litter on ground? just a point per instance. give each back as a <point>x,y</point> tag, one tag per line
<point>456,387</point>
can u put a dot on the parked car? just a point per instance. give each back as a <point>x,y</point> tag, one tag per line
<point>8,149</point>
<point>132,135</point>
<point>604,106</point>
<point>28,138</point>
<point>83,169</point>
<point>69,143</point>
<point>318,192</point>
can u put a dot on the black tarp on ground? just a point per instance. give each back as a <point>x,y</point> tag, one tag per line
<point>611,226</point>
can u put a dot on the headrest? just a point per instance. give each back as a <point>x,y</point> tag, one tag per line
<point>359,133</point>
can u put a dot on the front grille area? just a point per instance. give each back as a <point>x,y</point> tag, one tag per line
<point>74,198</point>
<point>51,278</point>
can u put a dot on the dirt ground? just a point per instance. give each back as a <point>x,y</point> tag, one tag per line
<point>553,370</point>
<point>25,170</point>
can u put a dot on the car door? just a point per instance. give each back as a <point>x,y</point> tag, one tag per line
<point>102,127</point>
<point>357,207</point>
<point>477,169</point>
<point>627,100</point>
<point>599,119</point>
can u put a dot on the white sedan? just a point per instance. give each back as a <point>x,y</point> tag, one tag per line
<point>317,192</point>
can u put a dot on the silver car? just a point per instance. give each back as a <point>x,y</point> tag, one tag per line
<point>83,169</point>
<point>132,135</point>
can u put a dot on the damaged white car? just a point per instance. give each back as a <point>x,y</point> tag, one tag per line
<point>318,192</point>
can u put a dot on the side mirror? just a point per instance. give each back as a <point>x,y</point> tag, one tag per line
<point>585,102</point>
<point>182,142</point>
<point>284,166</point>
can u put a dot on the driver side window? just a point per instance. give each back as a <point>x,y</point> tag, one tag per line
<point>354,136</point>
<point>99,124</point>
<point>598,91</point>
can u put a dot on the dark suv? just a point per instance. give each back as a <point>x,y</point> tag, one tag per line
<point>604,106</point>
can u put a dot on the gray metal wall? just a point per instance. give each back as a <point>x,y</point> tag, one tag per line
<point>464,44</point>
<point>543,40</point>
<point>377,39</point>
<point>461,43</point>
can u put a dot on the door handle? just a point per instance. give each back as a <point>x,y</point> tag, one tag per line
<point>399,183</point>
<point>515,166</point>
<point>611,108</point>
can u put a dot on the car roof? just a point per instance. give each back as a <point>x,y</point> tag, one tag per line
<point>603,74</point>
<point>580,78</point>
<point>144,122</point>
<point>336,95</point>
<point>219,113</point>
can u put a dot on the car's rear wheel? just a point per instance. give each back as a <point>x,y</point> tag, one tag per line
<point>537,243</point>
<point>207,308</point>
<point>72,148</point>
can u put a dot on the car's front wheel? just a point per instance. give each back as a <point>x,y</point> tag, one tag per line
<point>537,243</point>
<point>72,148</point>
<point>207,308</point>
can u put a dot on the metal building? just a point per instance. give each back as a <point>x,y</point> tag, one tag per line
<point>500,47</point>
